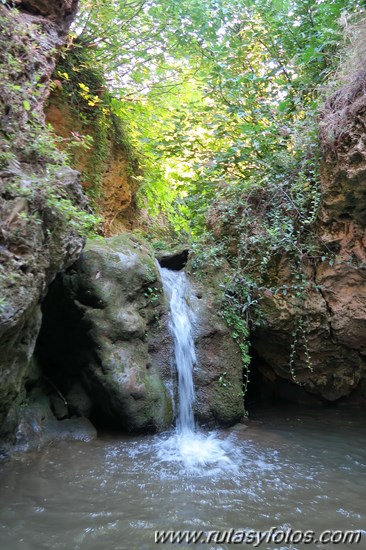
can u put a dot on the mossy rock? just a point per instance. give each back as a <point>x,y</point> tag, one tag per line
<point>120,345</point>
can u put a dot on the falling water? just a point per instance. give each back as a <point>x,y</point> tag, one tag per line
<point>177,290</point>
<point>293,469</point>
<point>188,445</point>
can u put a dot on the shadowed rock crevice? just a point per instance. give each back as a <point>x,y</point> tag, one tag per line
<point>268,389</point>
<point>63,348</point>
<point>61,12</point>
<point>174,261</point>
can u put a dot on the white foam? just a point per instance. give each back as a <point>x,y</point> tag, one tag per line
<point>197,452</point>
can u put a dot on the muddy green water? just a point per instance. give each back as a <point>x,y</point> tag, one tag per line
<point>290,468</point>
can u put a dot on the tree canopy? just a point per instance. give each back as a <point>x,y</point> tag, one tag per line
<point>216,94</point>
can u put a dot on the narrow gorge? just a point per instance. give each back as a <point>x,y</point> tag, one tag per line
<point>95,343</point>
<point>182,271</point>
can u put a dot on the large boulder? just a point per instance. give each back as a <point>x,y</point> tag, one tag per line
<point>105,330</point>
<point>105,343</point>
<point>315,340</point>
<point>37,426</point>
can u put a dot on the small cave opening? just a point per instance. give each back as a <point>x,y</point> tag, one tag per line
<point>63,349</point>
<point>67,356</point>
<point>176,261</point>
<point>260,389</point>
<point>267,390</point>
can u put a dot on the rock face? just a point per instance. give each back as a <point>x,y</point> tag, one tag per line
<point>329,323</point>
<point>327,358</point>
<point>37,238</point>
<point>37,425</point>
<point>218,372</point>
<point>116,198</point>
<point>106,353</point>
<point>218,375</point>
<point>106,336</point>
<point>59,12</point>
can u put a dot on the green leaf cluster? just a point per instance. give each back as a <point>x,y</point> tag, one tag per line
<point>211,89</point>
<point>222,97</point>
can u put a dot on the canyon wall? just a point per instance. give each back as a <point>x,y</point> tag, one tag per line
<point>327,325</point>
<point>41,199</point>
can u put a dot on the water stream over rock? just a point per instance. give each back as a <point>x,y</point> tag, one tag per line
<point>177,290</point>
<point>187,445</point>
<point>288,469</point>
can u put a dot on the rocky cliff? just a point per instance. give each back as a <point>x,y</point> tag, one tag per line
<point>105,344</point>
<point>95,343</point>
<point>105,338</point>
<point>218,375</point>
<point>41,199</point>
<point>325,329</point>
<point>109,168</point>
<point>294,248</point>
<point>103,350</point>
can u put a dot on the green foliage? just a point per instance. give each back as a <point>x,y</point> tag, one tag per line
<point>210,90</point>
<point>72,146</point>
<point>232,313</point>
<point>221,98</point>
<point>30,162</point>
<point>273,211</point>
<point>80,80</point>
<point>299,334</point>
<point>152,293</point>
<point>45,200</point>
<point>83,86</point>
<point>256,223</point>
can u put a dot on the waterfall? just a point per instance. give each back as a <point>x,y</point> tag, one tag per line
<point>198,452</point>
<point>177,290</point>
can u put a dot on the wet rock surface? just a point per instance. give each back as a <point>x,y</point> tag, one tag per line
<point>37,426</point>
<point>116,198</point>
<point>105,343</point>
<point>218,375</point>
